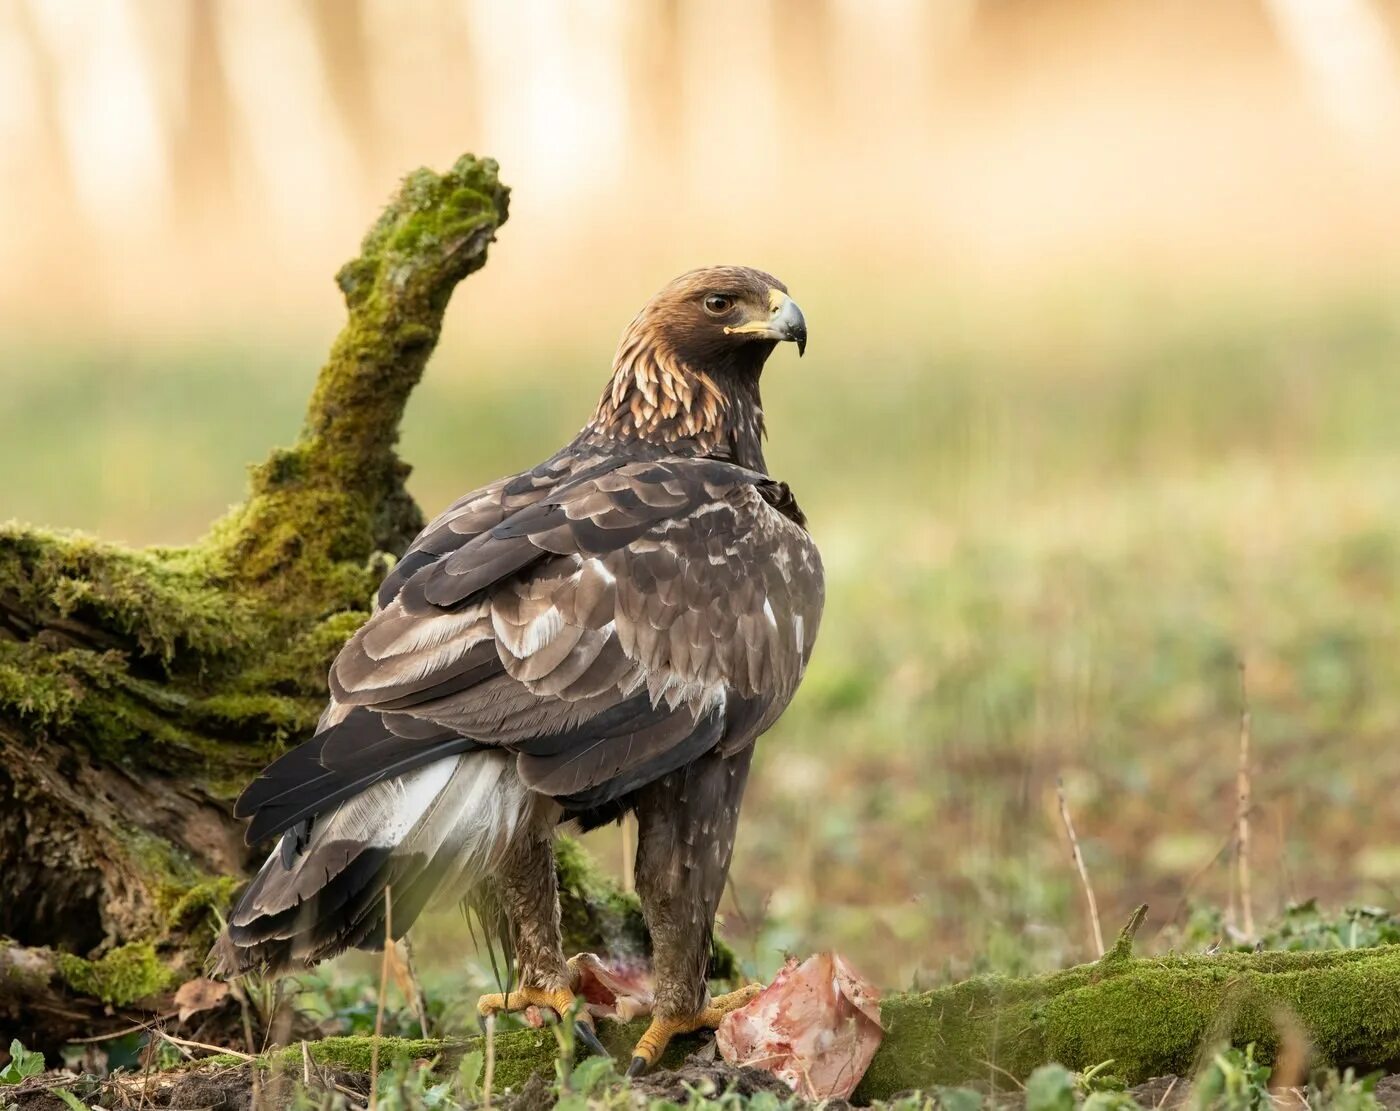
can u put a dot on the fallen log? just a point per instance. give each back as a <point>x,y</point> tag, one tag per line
<point>139,690</point>
<point>1149,1016</point>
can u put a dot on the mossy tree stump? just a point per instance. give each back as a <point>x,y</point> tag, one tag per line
<point>139,691</point>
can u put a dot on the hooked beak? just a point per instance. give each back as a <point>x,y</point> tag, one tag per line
<point>785,322</point>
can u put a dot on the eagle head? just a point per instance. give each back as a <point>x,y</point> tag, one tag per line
<point>688,365</point>
<point>724,312</point>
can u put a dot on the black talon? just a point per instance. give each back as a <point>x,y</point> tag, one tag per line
<point>637,1067</point>
<point>584,1031</point>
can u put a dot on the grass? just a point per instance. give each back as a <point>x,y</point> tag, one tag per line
<point>1049,543</point>
<point>1229,1079</point>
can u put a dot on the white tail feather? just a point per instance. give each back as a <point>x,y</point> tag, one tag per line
<point>458,815</point>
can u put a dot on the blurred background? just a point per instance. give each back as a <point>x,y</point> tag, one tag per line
<point>1101,401</point>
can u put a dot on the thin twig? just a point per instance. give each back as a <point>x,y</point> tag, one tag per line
<point>1243,788</point>
<point>1079,864</point>
<point>185,1043</point>
<point>383,990</point>
<point>738,906</point>
<point>417,999</point>
<point>187,1054</point>
<point>490,1072</point>
<point>1009,1075</point>
<point>354,1097</point>
<point>276,1017</point>
<point>147,1065</point>
<point>245,1012</point>
<point>311,1066</point>
<point>255,1078</point>
<point>628,867</point>
<point>140,1026</point>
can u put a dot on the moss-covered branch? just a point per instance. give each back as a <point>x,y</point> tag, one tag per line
<point>338,494</point>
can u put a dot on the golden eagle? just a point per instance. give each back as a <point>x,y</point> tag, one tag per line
<point>607,632</point>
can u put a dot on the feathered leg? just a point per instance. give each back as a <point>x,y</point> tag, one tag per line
<point>686,827</point>
<point>527,891</point>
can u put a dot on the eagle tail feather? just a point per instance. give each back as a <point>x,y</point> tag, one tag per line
<point>373,862</point>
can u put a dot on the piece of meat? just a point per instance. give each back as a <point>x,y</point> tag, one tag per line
<point>817,1026</point>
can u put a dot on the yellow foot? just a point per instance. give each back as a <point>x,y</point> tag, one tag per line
<point>659,1034</point>
<point>560,1001</point>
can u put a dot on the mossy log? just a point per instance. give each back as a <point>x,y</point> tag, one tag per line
<point>1148,1016</point>
<point>139,690</point>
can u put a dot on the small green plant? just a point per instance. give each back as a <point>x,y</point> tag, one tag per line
<point>592,1074</point>
<point>1233,1081</point>
<point>1345,1091</point>
<point>410,1086</point>
<point>1050,1088</point>
<point>1104,1090</point>
<point>350,1006</point>
<point>1304,926</point>
<point>470,1075</point>
<point>23,1064</point>
<point>947,1099</point>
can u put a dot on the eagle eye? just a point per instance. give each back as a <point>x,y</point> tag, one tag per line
<point>717,304</point>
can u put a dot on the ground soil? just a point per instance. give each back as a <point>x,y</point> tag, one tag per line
<point>230,1088</point>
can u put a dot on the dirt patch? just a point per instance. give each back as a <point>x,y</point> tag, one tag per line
<point>208,1087</point>
<point>230,1088</point>
<point>711,1078</point>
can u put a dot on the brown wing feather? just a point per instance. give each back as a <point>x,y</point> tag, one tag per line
<point>675,581</point>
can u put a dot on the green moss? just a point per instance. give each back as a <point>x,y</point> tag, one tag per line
<point>204,662</point>
<point>162,864</point>
<point>522,1053</point>
<point>163,602</point>
<point>519,1053</point>
<point>273,715</point>
<point>40,685</point>
<point>435,210</point>
<point>1149,1016</point>
<point>298,665</point>
<point>203,902</point>
<point>125,975</point>
<point>149,658</point>
<point>338,495</point>
<point>354,1054</point>
<point>1123,946</point>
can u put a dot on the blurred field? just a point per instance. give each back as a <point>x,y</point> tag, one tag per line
<point>1048,545</point>
<point>1101,399</point>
